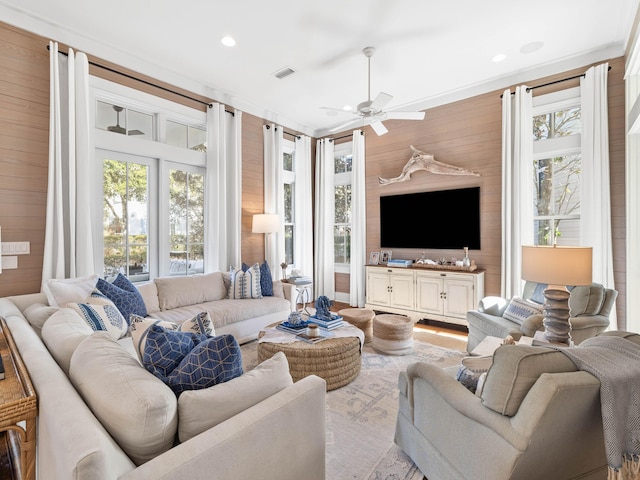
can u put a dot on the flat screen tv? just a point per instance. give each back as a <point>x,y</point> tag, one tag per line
<point>442,219</point>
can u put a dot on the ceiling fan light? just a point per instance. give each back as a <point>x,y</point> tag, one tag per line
<point>347,108</point>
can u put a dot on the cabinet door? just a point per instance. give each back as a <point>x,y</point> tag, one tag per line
<point>378,288</point>
<point>429,294</point>
<point>401,288</point>
<point>459,297</point>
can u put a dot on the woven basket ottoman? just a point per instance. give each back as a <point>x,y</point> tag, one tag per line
<point>393,334</point>
<point>361,318</point>
<point>337,360</point>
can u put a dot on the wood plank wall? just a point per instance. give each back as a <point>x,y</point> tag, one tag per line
<point>465,133</point>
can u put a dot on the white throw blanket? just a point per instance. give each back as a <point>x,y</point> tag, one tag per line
<point>616,363</point>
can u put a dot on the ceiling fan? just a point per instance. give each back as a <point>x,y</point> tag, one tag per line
<point>371,112</point>
<point>117,128</point>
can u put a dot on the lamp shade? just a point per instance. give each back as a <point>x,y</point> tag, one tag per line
<point>557,265</point>
<point>266,223</point>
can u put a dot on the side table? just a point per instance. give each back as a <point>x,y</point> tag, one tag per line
<point>18,403</point>
<point>304,297</point>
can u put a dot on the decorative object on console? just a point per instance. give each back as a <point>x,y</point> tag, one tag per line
<point>322,308</point>
<point>558,267</point>
<point>466,262</point>
<point>284,266</point>
<point>374,258</point>
<point>385,256</point>
<point>424,161</point>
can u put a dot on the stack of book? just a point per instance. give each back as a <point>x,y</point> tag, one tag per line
<point>289,328</point>
<point>335,322</point>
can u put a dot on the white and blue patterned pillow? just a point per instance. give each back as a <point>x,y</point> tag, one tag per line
<point>188,361</point>
<point>519,310</point>
<point>125,295</point>
<point>266,282</point>
<point>100,313</point>
<point>245,284</point>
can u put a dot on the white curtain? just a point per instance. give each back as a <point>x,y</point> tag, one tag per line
<point>68,246</point>
<point>358,222</point>
<point>273,195</point>
<point>324,280</point>
<point>517,186</point>
<point>595,197</point>
<point>223,190</point>
<point>303,247</point>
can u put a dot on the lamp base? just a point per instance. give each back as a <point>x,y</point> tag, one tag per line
<point>557,327</point>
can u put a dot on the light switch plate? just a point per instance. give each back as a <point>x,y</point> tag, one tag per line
<point>16,248</point>
<point>9,262</point>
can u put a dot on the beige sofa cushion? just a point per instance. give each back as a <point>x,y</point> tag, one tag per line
<point>137,409</point>
<point>199,410</point>
<point>174,292</point>
<point>514,370</point>
<point>62,334</point>
<point>37,314</point>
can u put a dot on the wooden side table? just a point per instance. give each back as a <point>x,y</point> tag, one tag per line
<point>18,403</point>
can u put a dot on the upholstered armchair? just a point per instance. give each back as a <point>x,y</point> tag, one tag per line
<point>590,307</point>
<point>535,416</point>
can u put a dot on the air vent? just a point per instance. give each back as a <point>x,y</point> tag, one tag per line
<point>285,72</point>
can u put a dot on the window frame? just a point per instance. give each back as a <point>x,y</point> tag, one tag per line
<point>557,146</point>
<point>340,179</point>
<point>289,178</point>
<point>160,153</point>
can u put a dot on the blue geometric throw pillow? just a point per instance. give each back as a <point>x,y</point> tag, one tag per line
<point>216,360</point>
<point>165,349</point>
<point>188,361</point>
<point>125,295</point>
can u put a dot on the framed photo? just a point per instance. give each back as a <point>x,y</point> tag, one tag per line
<point>374,258</point>
<point>386,256</point>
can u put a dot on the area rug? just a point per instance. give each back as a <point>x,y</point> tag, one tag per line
<point>361,416</point>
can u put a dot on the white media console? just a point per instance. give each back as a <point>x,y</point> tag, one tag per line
<point>419,293</point>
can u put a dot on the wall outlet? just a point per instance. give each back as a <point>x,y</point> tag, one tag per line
<point>9,263</point>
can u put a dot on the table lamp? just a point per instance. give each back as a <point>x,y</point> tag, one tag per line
<point>557,267</point>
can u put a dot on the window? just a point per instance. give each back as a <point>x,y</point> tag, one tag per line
<point>150,165</point>
<point>557,164</point>
<point>289,177</point>
<point>186,222</point>
<point>125,216</point>
<point>342,199</point>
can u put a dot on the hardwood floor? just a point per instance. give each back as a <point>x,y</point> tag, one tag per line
<point>439,328</point>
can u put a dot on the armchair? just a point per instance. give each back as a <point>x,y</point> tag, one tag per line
<point>536,416</point>
<point>590,307</point>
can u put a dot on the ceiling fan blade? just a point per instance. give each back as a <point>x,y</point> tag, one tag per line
<point>405,115</point>
<point>378,127</point>
<point>380,101</point>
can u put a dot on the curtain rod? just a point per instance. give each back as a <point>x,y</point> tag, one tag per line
<point>554,82</point>
<point>284,131</point>
<point>344,136</point>
<point>143,81</point>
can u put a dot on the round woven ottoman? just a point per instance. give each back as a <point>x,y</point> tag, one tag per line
<point>393,334</point>
<point>337,360</point>
<point>361,318</point>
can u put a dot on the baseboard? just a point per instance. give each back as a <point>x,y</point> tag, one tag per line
<point>449,326</point>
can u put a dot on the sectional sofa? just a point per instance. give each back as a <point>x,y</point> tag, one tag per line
<point>101,415</point>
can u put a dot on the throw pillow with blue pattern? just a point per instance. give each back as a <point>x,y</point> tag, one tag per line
<point>125,295</point>
<point>266,281</point>
<point>100,313</point>
<point>519,310</point>
<point>188,361</point>
<point>245,284</point>
<point>139,328</point>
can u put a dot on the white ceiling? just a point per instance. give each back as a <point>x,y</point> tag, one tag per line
<point>428,52</point>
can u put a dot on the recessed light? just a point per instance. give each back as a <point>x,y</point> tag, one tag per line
<point>499,57</point>
<point>531,47</point>
<point>228,41</point>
